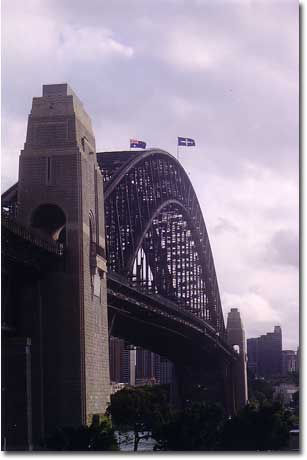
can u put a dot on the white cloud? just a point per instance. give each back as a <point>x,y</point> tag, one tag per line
<point>252,221</point>
<point>283,249</point>
<point>87,44</point>
<point>14,130</point>
<point>256,311</point>
<point>224,73</point>
<point>52,41</point>
<point>190,51</point>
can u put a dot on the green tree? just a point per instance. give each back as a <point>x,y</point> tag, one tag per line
<point>99,436</point>
<point>259,389</point>
<point>296,403</point>
<point>261,427</point>
<point>139,409</point>
<point>195,428</point>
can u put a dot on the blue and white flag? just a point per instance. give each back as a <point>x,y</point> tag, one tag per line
<point>135,144</point>
<point>186,141</point>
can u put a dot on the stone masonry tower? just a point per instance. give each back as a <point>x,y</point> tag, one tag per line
<point>60,193</point>
<point>236,339</point>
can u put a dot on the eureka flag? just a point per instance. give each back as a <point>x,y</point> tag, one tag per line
<point>186,141</point>
<point>135,144</point>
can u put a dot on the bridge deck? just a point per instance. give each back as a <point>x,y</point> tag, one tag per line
<point>156,312</point>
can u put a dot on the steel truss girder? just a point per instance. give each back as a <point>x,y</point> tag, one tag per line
<point>151,206</point>
<point>156,234</point>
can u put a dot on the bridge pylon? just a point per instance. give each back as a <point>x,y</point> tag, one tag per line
<point>60,194</point>
<point>237,372</point>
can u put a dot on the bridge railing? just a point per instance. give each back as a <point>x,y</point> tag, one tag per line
<point>32,235</point>
<point>171,306</point>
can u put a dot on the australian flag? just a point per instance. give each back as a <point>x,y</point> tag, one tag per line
<point>186,141</point>
<point>135,144</point>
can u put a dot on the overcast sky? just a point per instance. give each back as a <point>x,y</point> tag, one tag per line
<point>224,73</point>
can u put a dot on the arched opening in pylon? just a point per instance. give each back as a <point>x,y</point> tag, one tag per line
<point>50,220</point>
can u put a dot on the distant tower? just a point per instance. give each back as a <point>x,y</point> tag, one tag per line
<point>265,354</point>
<point>236,339</point>
<point>60,193</point>
<point>122,361</point>
<point>289,362</point>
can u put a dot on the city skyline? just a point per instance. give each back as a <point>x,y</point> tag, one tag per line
<point>222,73</point>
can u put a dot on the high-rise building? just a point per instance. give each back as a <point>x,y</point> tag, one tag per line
<point>270,348</point>
<point>135,365</point>
<point>289,362</point>
<point>252,353</point>
<point>132,367</point>
<point>115,359</point>
<point>122,361</point>
<point>166,371</point>
<point>146,367</point>
<point>152,368</point>
<point>265,354</point>
<point>298,359</point>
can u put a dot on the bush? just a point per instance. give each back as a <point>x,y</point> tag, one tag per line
<point>195,428</point>
<point>139,409</point>
<point>263,427</point>
<point>99,436</point>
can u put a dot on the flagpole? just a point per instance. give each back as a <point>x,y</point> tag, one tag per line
<point>177,151</point>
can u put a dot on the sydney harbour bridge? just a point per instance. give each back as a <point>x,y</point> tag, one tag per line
<point>95,244</point>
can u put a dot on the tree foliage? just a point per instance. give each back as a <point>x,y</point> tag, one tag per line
<point>139,409</point>
<point>204,427</point>
<point>99,436</point>
<point>259,389</point>
<point>296,403</point>
<point>197,427</point>
<point>263,427</point>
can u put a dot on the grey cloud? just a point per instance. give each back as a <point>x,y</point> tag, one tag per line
<point>283,249</point>
<point>225,225</point>
<point>241,106</point>
<point>240,112</point>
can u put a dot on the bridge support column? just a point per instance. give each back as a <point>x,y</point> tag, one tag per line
<point>16,392</point>
<point>60,194</point>
<point>236,339</point>
<point>176,388</point>
<point>229,389</point>
<point>201,381</point>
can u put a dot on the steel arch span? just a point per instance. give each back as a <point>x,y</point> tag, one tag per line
<point>156,235</point>
<point>162,289</point>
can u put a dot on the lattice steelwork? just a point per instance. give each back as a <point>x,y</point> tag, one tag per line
<point>155,231</point>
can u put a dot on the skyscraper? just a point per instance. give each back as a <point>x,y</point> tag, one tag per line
<point>166,371</point>
<point>122,361</point>
<point>265,354</point>
<point>298,359</point>
<point>252,353</point>
<point>289,362</point>
<point>146,367</point>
